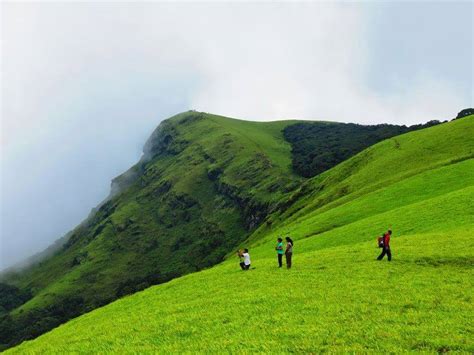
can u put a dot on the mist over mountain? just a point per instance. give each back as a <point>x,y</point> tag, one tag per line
<point>83,84</point>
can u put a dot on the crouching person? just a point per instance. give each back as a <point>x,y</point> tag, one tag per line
<point>244,258</point>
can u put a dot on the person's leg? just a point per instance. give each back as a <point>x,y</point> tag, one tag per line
<point>247,267</point>
<point>389,254</point>
<point>288,260</point>
<point>280,260</point>
<point>381,255</point>
<point>242,265</point>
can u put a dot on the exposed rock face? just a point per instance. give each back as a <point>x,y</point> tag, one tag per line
<point>165,139</point>
<point>253,212</point>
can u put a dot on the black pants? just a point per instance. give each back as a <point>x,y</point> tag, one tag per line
<point>385,251</point>
<point>244,267</point>
<point>288,260</point>
<point>280,260</point>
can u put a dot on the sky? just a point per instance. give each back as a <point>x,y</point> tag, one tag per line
<point>84,84</point>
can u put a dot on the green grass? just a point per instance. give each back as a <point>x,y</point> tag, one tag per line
<point>202,192</point>
<point>187,176</point>
<point>337,297</point>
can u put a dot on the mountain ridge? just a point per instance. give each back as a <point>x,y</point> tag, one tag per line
<point>419,183</point>
<point>203,186</point>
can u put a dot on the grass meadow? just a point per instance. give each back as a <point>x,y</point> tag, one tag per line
<point>337,297</point>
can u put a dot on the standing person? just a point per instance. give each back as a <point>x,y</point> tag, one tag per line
<point>288,252</point>
<point>246,256</point>
<point>386,246</point>
<point>280,252</point>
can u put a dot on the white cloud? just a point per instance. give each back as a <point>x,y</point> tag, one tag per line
<point>85,83</point>
<point>306,62</point>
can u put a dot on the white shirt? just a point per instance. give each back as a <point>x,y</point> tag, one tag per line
<point>246,258</point>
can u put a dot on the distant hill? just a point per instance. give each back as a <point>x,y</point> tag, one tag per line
<point>207,184</point>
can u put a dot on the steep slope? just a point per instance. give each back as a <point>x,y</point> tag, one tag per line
<point>337,297</point>
<point>204,183</point>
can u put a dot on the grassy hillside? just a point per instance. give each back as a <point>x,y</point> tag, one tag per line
<point>419,157</point>
<point>337,297</point>
<point>204,184</point>
<point>317,147</point>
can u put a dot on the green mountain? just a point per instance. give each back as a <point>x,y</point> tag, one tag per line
<point>208,184</point>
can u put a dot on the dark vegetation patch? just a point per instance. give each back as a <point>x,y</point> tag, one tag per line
<point>317,146</point>
<point>464,113</point>
<point>11,297</point>
<point>29,325</point>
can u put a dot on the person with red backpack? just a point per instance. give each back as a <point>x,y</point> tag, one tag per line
<point>384,243</point>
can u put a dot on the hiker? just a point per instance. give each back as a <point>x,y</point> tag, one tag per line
<point>288,252</point>
<point>280,252</point>
<point>384,243</point>
<point>246,257</point>
<point>241,259</point>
